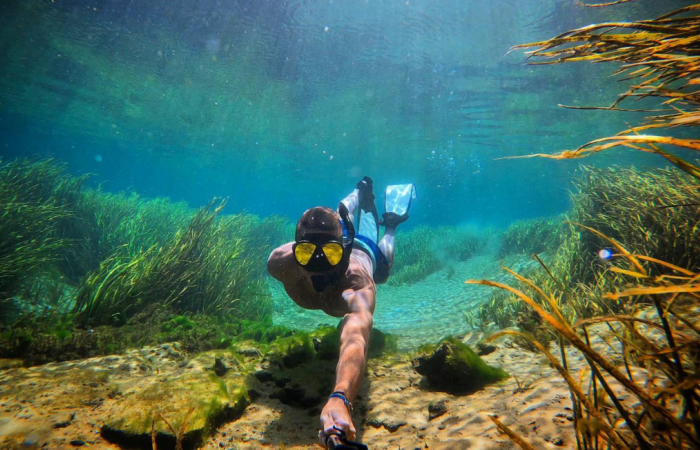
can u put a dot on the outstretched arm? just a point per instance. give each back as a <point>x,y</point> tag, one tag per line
<point>354,345</point>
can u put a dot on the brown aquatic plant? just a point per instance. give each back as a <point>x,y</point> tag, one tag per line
<point>599,5</point>
<point>667,344</point>
<point>179,436</point>
<point>661,58</point>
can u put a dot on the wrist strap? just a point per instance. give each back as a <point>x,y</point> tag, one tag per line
<point>341,395</point>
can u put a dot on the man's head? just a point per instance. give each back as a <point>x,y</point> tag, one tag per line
<point>319,220</point>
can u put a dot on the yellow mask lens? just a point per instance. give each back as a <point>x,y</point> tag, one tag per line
<point>333,252</point>
<point>303,252</point>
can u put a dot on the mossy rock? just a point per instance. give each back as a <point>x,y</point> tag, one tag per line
<point>215,400</point>
<point>381,343</point>
<point>127,394</point>
<point>327,342</point>
<point>454,367</point>
<point>294,350</point>
<point>263,331</point>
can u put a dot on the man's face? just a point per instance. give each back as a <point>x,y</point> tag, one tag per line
<point>319,252</point>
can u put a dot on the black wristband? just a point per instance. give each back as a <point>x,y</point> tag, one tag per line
<point>341,395</point>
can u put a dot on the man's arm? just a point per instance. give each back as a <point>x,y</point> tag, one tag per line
<point>354,345</point>
<point>354,342</point>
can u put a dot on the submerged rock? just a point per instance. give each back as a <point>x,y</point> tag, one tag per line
<point>126,403</point>
<point>485,349</point>
<point>264,376</point>
<point>455,368</point>
<point>220,367</point>
<point>390,423</point>
<point>326,342</point>
<point>215,399</point>
<point>436,409</point>
<point>31,440</point>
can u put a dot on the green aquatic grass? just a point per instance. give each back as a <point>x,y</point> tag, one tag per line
<point>35,200</point>
<point>654,212</point>
<point>533,236</point>
<point>205,268</point>
<point>127,255</point>
<point>108,221</point>
<point>425,250</point>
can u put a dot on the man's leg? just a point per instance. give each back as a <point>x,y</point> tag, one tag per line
<point>386,245</point>
<point>351,202</point>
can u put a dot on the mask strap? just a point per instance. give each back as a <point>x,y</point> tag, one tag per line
<point>348,226</point>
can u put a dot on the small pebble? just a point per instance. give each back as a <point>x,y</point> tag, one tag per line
<point>31,439</point>
<point>77,443</point>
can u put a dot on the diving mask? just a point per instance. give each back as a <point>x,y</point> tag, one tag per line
<point>324,252</point>
<point>318,252</point>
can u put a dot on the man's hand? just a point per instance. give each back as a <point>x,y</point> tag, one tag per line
<point>335,413</point>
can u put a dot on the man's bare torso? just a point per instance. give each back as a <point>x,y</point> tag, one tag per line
<point>297,281</point>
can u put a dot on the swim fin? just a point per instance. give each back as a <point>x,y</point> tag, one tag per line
<point>366,194</point>
<point>397,204</point>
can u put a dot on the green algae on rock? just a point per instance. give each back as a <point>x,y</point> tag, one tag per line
<point>192,384</point>
<point>327,342</point>
<point>123,396</point>
<point>454,367</point>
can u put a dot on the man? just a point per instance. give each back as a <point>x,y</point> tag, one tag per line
<point>329,267</point>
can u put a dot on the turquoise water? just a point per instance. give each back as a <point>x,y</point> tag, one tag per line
<point>282,106</point>
<point>154,153</point>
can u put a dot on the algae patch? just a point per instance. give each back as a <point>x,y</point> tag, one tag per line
<point>454,367</point>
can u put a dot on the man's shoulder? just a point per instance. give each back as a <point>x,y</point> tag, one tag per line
<point>279,260</point>
<point>282,250</point>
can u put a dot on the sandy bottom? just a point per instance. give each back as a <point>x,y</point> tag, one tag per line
<point>392,410</point>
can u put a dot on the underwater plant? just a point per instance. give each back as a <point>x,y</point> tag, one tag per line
<point>112,222</point>
<point>643,208</point>
<point>532,236</point>
<point>654,211</point>
<point>657,328</point>
<point>202,269</point>
<point>72,257</point>
<point>34,200</point>
<point>659,56</point>
<point>425,250</point>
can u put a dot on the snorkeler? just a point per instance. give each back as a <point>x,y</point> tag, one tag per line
<point>330,267</point>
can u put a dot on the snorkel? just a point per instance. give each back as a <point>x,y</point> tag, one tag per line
<point>324,255</point>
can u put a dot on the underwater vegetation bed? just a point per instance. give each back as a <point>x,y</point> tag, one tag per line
<point>652,212</point>
<point>424,250</point>
<point>74,259</point>
<point>644,286</point>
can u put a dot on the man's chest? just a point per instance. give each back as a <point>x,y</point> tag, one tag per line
<point>331,300</point>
